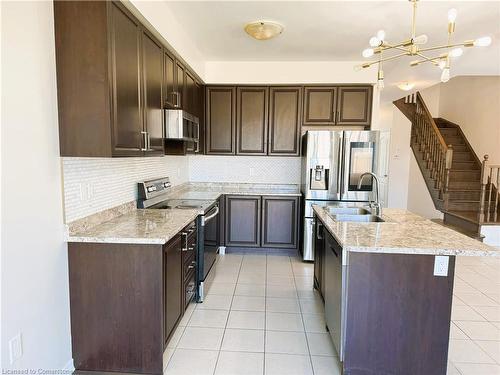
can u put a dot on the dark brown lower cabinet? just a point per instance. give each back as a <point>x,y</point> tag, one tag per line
<point>243,219</point>
<point>319,256</point>
<point>280,221</point>
<point>261,221</point>
<point>126,300</point>
<point>173,284</point>
<point>393,313</point>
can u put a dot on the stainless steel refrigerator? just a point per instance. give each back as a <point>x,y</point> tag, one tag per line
<point>332,162</point>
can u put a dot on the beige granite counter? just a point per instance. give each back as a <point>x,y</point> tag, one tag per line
<point>137,226</point>
<point>402,232</point>
<point>213,190</point>
<point>126,224</point>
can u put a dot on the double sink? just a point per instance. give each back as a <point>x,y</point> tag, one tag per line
<point>352,214</point>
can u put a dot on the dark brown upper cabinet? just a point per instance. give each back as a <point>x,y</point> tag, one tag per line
<point>280,222</point>
<point>354,105</point>
<point>152,60</point>
<point>320,105</point>
<point>180,84</point>
<point>337,105</point>
<point>170,95</point>
<point>109,80</point>
<point>252,120</point>
<point>220,121</point>
<point>243,220</point>
<point>284,121</point>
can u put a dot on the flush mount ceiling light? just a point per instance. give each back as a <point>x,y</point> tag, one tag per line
<point>406,86</point>
<point>263,30</point>
<point>413,47</point>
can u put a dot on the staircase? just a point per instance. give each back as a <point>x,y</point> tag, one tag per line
<point>464,188</point>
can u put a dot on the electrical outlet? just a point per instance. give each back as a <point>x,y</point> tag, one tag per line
<point>441,265</point>
<point>15,348</point>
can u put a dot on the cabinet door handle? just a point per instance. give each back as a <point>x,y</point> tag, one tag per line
<point>334,117</point>
<point>145,140</point>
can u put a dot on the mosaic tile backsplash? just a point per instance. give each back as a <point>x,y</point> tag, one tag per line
<point>92,185</point>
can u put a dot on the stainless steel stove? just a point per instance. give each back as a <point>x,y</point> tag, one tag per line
<point>153,194</point>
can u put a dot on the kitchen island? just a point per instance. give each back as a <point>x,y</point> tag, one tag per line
<point>388,289</point>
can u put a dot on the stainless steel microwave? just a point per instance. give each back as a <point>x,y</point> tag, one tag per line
<point>183,126</point>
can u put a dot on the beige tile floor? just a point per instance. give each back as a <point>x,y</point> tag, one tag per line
<point>262,316</point>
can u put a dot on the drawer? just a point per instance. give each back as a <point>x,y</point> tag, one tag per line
<point>189,267</point>
<point>189,289</point>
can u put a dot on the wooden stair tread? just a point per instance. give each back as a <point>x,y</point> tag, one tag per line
<point>472,216</point>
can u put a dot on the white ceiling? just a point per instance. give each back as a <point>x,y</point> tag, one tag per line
<point>339,31</point>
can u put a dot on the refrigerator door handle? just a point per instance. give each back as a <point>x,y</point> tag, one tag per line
<point>340,172</point>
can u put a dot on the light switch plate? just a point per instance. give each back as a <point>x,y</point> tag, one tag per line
<point>441,265</point>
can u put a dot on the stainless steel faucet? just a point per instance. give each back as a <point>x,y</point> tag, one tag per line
<point>375,205</point>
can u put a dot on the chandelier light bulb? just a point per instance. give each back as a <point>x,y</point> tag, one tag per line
<point>381,35</point>
<point>456,52</point>
<point>420,39</point>
<point>452,15</point>
<point>374,41</point>
<point>368,52</point>
<point>442,64</point>
<point>380,84</point>
<point>445,75</point>
<point>485,41</point>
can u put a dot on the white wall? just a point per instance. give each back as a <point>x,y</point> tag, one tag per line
<point>419,198</point>
<point>256,169</point>
<point>159,15</point>
<point>284,72</point>
<point>473,102</point>
<point>34,270</point>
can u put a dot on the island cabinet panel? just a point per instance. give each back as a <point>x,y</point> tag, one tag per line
<point>173,285</point>
<point>320,105</point>
<point>116,304</point>
<point>220,120</point>
<point>243,220</point>
<point>354,105</point>
<point>398,315</point>
<point>280,221</point>
<point>252,120</point>
<point>284,121</point>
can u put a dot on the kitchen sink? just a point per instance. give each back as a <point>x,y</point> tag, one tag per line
<point>364,218</point>
<point>335,210</point>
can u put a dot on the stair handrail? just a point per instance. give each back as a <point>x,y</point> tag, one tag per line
<point>435,151</point>
<point>433,123</point>
<point>489,191</point>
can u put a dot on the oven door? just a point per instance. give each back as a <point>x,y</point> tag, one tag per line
<point>208,247</point>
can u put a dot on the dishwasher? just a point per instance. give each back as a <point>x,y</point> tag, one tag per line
<point>334,293</point>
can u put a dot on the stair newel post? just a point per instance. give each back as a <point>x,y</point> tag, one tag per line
<point>495,214</point>
<point>484,182</point>
<point>448,163</point>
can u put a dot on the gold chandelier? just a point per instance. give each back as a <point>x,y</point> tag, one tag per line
<point>413,47</point>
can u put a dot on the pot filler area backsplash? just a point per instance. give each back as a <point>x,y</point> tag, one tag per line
<point>95,184</point>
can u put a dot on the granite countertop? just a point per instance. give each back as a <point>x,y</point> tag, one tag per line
<point>138,226</point>
<point>206,190</point>
<point>402,232</point>
<point>126,224</point>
